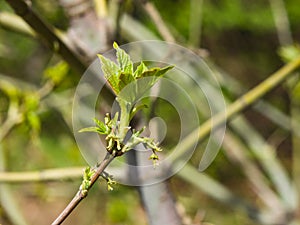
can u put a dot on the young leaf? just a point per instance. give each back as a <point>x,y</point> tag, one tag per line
<point>102,128</point>
<point>156,71</point>
<point>139,70</point>
<point>111,71</point>
<point>124,60</point>
<point>89,129</point>
<point>125,79</point>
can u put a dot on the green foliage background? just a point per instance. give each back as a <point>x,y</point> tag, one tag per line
<point>239,36</point>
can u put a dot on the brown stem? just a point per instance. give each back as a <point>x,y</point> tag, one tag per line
<point>80,195</point>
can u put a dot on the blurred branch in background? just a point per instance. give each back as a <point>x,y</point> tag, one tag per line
<point>53,40</point>
<point>7,198</point>
<point>15,23</point>
<point>57,174</point>
<point>195,28</point>
<point>24,10</point>
<point>89,32</point>
<point>151,10</point>
<point>271,184</point>
<point>286,41</point>
<point>281,22</point>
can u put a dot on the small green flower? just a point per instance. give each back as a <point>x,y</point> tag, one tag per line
<point>110,183</point>
<point>154,158</point>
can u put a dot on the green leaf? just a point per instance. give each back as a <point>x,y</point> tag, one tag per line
<point>102,128</point>
<point>89,129</point>
<point>134,110</point>
<point>111,72</point>
<point>140,69</point>
<point>125,79</point>
<point>156,71</point>
<point>124,60</point>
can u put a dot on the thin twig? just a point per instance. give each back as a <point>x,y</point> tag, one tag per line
<point>81,194</point>
<point>236,107</point>
<point>218,191</point>
<point>24,10</point>
<point>15,23</point>
<point>236,150</point>
<point>160,24</point>
<point>14,117</point>
<point>53,41</point>
<point>51,175</point>
<point>41,176</point>
<point>281,22</point>
<point>8,200</point>
<point>195,28</point>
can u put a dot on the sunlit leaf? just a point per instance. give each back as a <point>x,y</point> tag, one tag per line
<point>103,129</point>
<point>140,69</point>
<point>156,71</point>
<point>124,61</point>
<point>110,70</point>
<point>125,79</point>
<point>89,129</point>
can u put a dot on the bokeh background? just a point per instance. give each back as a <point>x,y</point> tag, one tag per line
<point>253,180</point>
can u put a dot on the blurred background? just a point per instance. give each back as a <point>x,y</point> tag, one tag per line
<point>45,47</point>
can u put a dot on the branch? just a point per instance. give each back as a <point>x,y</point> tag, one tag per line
<point>218,191</point>
<point>52,40</point>
<point>39,176</point>
<point>83,191</point>
<point>196,20</point>
<point>24,10</point>
<point>237,152</point>
<point>158,21</point>
<point>236,107</point>
<point>13,22</point>
<point>8,199</point>
<point>281,22</point>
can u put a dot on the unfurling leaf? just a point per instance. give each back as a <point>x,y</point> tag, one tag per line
<point>101,128</point>
<point>125,79</point>
<point>129,86</point>
<point>124,61</point>
<point>156,71</point>
<point>140,69</point>
<point>89,129</point>
<point>121,74</point>
<point>110,70</point>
